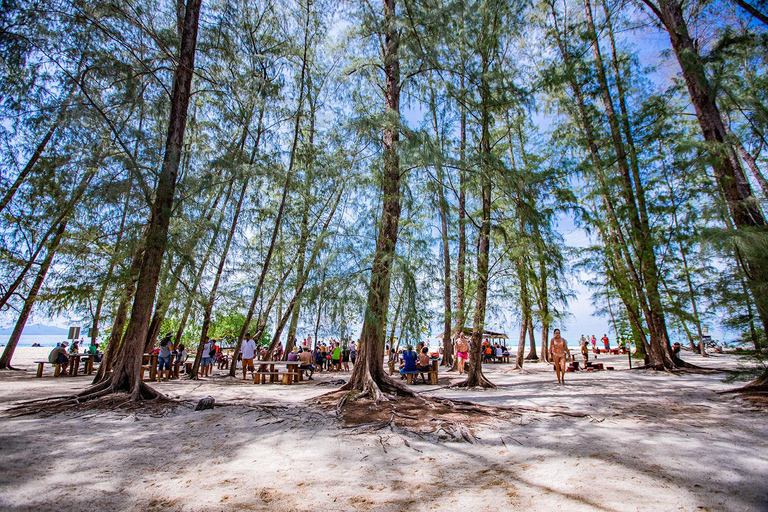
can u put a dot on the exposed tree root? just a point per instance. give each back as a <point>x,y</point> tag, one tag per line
<point>141,394</point>
<point>476,382</point>
<point>376,389</point>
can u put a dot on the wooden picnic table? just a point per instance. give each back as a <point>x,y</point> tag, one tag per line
<point>293,367</point>
<point>74,363</point>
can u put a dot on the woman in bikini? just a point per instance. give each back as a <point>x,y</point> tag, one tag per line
<point>462,352</point>
<point>558,348</point>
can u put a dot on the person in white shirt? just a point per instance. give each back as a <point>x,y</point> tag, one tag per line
<point>248,351</point>
<point>206,364</point>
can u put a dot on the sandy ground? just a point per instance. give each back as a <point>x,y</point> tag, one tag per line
<point>619,440</point>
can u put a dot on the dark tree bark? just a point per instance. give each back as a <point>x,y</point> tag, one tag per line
<point>475,375</point>
<point>126,375</point>
<point>368,375</point>
<point>752,10</point>
<point>735,187</point>
<point>121,314</point>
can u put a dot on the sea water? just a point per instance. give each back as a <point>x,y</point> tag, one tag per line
<point>45,340</point>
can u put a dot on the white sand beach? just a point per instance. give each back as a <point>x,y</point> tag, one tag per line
<point>613,440</point>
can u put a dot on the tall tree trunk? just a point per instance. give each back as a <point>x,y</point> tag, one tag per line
<point>368,375</point>
<point>209,303</point>
<point>730,176</point>
<point>126,375</point>
<point>475,375</point>
<point>544,308</point>
<point>5,359</point>
<point>461,257</point>
<point>121,314</point>
<point>301,279</point>
<point>166,296</point>
<point>296,310</point>
<point>444,211</point>
<point>633,194</point>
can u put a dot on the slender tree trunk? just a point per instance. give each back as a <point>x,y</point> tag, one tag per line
<point>532,354</point>
<point>121,314</point>
<point>33,159</point>
<point>368,375</point>
<point>521,340</point>
<point>167,295</point>
<point>633,194</point>
<point>62,216</point>
<point>94,333</point>
<point>751,163</point>
<point>209,303</point>
<point>544,308</point>
<point>444,211</point>
<point>733,183</point>
<point>461,257</point>
<point>5,359</point>
<point>752,10</point>
<point>296,310</point>
<point>475,375</point>
<point>126,375</point>
<point>301,280</point>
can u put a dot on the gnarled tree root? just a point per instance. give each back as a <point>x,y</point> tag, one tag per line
<point>474,381</point>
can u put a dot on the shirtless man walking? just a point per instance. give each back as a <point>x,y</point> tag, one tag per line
<point>558,348</point>
<point>462,352</point>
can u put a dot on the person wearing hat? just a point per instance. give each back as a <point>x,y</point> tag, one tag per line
<point>293,355</point>
<point>59,356</point>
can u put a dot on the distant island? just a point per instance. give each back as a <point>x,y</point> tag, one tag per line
<point>37,330</point>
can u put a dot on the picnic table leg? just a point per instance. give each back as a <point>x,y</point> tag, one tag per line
<point>40,369</point>
<point>152,367</point>
<point>57,370</point>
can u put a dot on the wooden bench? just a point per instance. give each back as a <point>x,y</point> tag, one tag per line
<point>261,377</point>
<point>432,374</point>
<point>41,364</point>
<point>409,375</point>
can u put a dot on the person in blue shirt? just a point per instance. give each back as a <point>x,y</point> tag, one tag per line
<point>409,358</point>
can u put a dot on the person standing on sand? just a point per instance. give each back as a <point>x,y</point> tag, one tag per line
<point>606,342</point>
<point>585,351</point>
<point>205,362</point>
<point>558,349</point>
<point>462,352</point>
<point>248,352</point>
